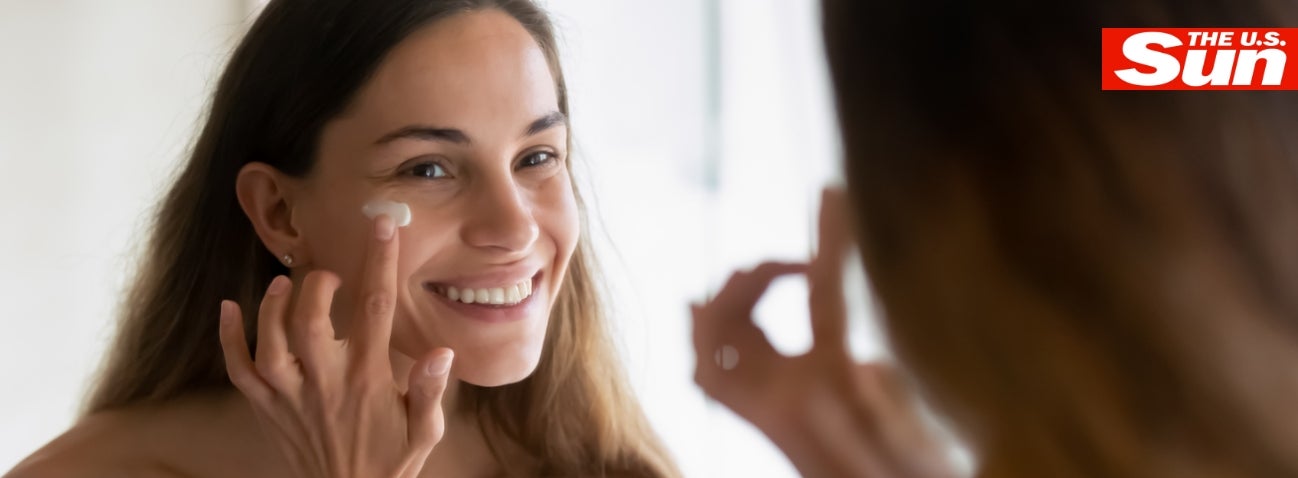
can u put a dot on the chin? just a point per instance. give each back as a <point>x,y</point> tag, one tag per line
<point>496,365</point>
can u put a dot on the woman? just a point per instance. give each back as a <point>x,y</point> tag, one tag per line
<point>1084,283</point>
<point>372,358</point>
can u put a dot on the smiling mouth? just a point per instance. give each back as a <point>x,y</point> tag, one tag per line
<point>500,296</point>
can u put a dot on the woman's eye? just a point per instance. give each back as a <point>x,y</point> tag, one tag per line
<point>540,158</point>
<point>428,170</point>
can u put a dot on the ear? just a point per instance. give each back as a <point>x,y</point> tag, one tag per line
<point>266,196</point>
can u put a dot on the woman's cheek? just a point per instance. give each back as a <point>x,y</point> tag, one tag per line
<point>430,234</point>
<point>557,212</point>
<point>334,231</point>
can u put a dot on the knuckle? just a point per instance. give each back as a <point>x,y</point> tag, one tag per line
<point>436,433</point>
<point>379,303</point>
<point>282,383</point>
<point>385,254</point>
<point>318,328</point>
<point>275,373</point>
<point>321,278</point>
<point>767,269</point>
<point>241,379</point>
<point>314,276</point>
<point>265,369</point>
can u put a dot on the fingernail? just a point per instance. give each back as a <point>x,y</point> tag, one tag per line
<point>440,365</point>
<point>384,228</point>
<point>278,285</point>
<point>226,312</point>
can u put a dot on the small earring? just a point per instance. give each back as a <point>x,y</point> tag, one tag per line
<point>288,260</point>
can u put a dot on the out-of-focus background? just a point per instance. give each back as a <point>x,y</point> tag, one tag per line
<point>704,134</point>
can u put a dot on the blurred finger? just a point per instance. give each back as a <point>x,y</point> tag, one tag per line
<point>729,316</point>
<point>825,278</point>
<point>742,291</point>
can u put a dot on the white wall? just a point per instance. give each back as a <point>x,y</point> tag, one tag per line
<point>660,89</point>
<point>99,99</point>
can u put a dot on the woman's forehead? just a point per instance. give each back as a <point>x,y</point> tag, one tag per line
<point>471,67</point>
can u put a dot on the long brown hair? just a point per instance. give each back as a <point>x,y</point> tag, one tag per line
<point>298,66</point>
<point>1087,283</point>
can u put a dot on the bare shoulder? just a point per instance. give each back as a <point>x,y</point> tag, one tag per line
<point>107,444</point>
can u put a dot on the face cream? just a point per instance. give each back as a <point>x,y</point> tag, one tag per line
<point>398,211</point>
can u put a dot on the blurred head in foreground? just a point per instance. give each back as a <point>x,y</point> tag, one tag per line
<point>1086,283</point>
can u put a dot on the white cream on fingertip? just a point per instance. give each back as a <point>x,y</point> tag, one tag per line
<point>398,211</point>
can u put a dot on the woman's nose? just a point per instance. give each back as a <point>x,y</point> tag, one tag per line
<point>500,217</point>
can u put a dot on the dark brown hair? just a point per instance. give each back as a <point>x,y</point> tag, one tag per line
<point>298,67</point>
<point>1087,283</point>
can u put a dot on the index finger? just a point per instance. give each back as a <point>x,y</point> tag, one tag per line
<point>825,276</point>
<point>372,322</point>
<point>732,308</point>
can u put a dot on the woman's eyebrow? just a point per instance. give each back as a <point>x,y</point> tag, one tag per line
<point>425,133</point>
<point>452,135</point>
<point>550,120</point>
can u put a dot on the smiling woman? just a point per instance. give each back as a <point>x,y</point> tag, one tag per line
<point>457,109</point>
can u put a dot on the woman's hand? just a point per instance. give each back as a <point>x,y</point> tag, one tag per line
<point>332,406</point>
<point>831,416</point>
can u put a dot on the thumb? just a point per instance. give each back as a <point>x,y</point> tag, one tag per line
<point>426,420</point>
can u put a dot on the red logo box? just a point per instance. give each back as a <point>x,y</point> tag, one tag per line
<point>1199,59</point>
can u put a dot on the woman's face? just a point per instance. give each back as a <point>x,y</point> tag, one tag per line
<point>461,122</point>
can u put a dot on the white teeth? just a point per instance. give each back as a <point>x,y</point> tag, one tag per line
<point>496,296</point>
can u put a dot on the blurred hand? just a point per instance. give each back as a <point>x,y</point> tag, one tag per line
<point>831,416</point>
<point>332,406</point>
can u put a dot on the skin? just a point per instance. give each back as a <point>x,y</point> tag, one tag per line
<point>831,416</point>
<point>347,343</point>
<point>482,211</point>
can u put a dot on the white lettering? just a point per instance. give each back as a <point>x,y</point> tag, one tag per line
<point>1136,48</point>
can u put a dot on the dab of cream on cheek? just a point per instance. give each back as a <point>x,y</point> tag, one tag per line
<point>398,211</point>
